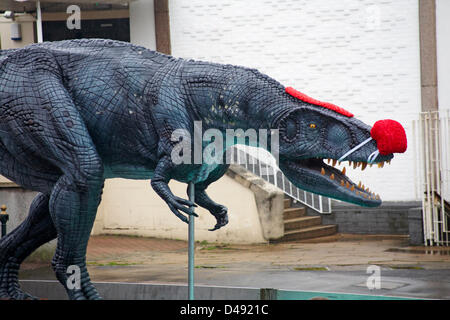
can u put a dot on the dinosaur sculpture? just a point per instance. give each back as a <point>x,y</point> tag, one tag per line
<point>77,112</point>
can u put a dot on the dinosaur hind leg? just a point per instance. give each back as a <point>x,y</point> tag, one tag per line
<point>36,230</point>
<point>73,212</point>
<point>66,145</point>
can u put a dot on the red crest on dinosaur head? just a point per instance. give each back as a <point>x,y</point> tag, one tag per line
<point>307,99</point>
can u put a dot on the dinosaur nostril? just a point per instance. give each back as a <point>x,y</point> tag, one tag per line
<point>390,136</point>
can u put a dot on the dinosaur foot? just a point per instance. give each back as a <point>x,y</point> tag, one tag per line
<point>221,218</point>
<point>76,280</point>
<point>87,292</point>
<point>13,292</point>
<point>9,283</point>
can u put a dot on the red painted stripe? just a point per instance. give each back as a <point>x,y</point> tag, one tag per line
<point>305,98</point>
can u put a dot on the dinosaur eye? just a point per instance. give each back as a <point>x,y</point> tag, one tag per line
<point>312,125</point>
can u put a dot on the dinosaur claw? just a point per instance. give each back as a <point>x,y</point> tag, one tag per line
<point>179,205</point>
<point>191,212</point>
<point>219,225</point>
<point>185,202</point>
<point>222,219</point>
<point>216,227</point>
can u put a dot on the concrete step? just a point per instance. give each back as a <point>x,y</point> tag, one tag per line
<point>308,233</point>
<point>302,222</point>
<point>287,203</point>
<point>292,213</point>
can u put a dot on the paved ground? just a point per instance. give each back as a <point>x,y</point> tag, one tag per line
<point>331,264</point>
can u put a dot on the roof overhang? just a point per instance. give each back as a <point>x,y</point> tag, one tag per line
<point>30,5</point>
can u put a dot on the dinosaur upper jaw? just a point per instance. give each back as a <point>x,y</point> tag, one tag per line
<point>314,175</point>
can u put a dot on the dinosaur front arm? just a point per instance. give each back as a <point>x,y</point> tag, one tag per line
<point>160,184</point>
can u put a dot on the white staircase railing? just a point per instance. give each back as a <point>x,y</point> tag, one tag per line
<point>263,164</point>
<point>432,152</point>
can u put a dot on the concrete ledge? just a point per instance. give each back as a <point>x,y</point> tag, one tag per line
<point>269,201</point>
<point>53,290</point>
<point>415,221</point>
<point>389,218</point>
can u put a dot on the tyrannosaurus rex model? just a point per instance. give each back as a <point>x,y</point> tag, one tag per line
<point>75,113</point>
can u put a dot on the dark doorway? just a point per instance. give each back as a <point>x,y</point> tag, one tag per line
<point>114,29</point>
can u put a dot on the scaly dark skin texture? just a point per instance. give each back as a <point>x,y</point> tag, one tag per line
<point>77,112</point>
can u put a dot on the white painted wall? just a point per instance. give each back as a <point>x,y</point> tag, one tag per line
<point>132,207</point>
<point>26,22</point>
<point>443,52</point>
<point>142,24</point>
<point>362,55</point>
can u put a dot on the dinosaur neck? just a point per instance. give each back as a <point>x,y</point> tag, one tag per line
<point>235,101</point>
<point>244,120</point>
<point>249,101</point>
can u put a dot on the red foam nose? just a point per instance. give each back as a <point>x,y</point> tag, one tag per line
<point>390,136</point>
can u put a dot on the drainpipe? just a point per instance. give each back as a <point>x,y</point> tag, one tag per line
<point>428,55</point>
<point>162,26</point>
<point>40,37</point>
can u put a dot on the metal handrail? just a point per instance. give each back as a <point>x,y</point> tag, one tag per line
<point>432,151</point>
<point>266,168</point>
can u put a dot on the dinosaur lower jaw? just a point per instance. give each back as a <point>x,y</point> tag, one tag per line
<point>315,176</point>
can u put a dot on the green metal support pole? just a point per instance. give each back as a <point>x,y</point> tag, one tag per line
<point>191,245</point>
<point>4,217</point>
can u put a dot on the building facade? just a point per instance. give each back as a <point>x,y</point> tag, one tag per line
<point>378,59</point>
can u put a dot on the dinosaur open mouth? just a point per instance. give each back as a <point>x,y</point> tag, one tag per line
<point>321,176</point>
